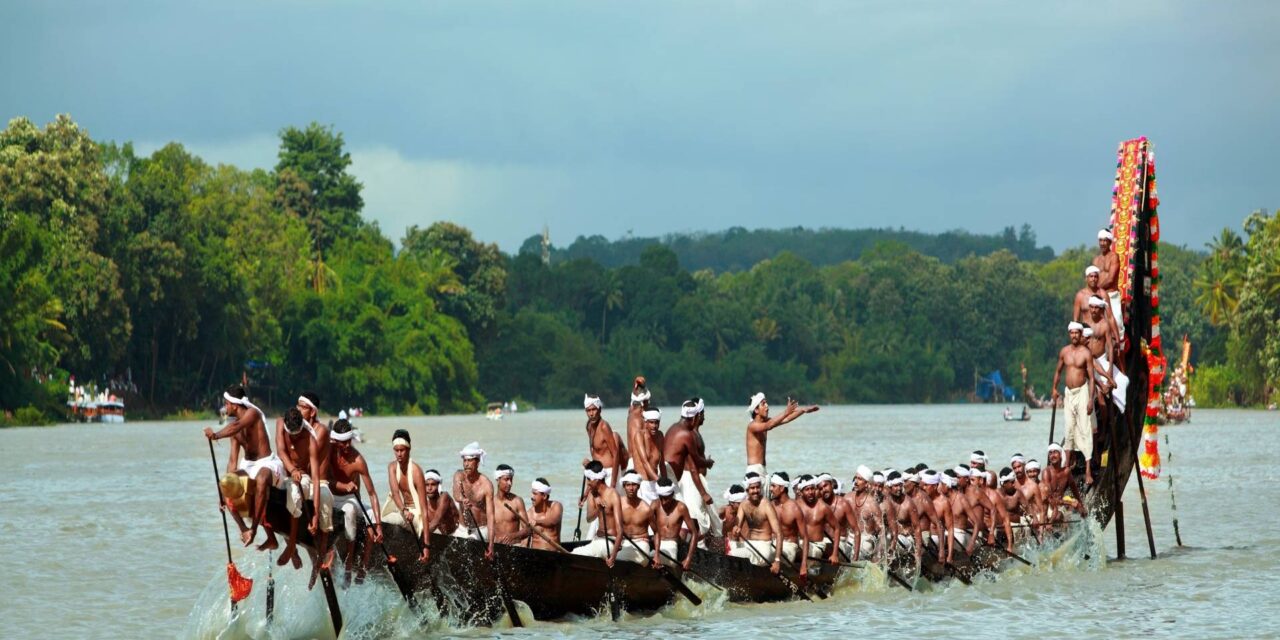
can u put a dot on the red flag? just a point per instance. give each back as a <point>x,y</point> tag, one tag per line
<point>239,585</point>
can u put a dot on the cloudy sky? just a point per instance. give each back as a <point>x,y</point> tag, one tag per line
<point>648,118</point>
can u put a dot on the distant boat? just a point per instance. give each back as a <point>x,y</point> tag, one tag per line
<point>106,411</point>
<point>494,411</point>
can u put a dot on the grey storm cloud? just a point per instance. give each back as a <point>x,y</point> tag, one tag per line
<point>609,118</point>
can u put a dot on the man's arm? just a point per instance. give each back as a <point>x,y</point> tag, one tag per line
<point>613,448</point>
<point>616,503</point>
<point>314,466</point>
<point>362,470</point>
<point>777,535</point>
<point>489,506</point>
<point>694,535</point>
<point>1057,374</point>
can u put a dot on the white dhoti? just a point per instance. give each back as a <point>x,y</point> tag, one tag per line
<point>907,541</point>
<point>961,536</point>
<point>791,550</point>
<point>631,554</point>
<point>351,516</point>
<point>868,545</point>
<point>597,548</point>
<point>761,557</point>
<point>669,553</point>
<point>271,462</point>
<point>301,491</point>
<point>1122,381</point>
<point>1114,298</point>
<point>391,512</point>
<point>648,490</point>
<point>687,492</point>
<point>819,550</point>
<point>757,468</point>
<point>1075,404</point>
<point>479,533</point>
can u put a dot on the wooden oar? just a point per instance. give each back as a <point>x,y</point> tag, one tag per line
<point>271,590</point>
<point>226,532</point>
<point>507,603</point>
<point>951,568</point>
<point>1006,552</point>
<point>577,529</point>
<point>691,570</point>
<point>331,597</point>
<point>666,574</point>
<point>403,585</point>
<point>790,584</point>
<point>1053,416</point>
<point>545,538</point>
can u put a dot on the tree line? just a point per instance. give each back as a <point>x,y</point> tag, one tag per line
<point>165,277</point>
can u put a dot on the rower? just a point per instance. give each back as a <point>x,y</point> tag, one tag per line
<point>508,527</point>
<point>934,482</point>
<point>636,519</point>
<point>1016,463</point>
<point>827,488</point>
<point>545,514</point>
<point>1108,264</point>
<point>248,434</point>
<point>760,426</point>
<point>1017,505</point>
<point>671,518</point>
<point>602,443</point>
<point>915,487</point>
<point>966,522</point>
<point>901,514</point>
<point>974,485</point>
<point>644,439</point>
<point>1077,362</point>
<point>817,519</point>
<point>349,469</point>
<point>998,515</point>
<point>978,461</point>
<point>301,453</point>
<point>474,493</point>
<point>794,540</point>
<point>1034,490</point>
<point>863,517</point>
<point>758,528</point>
<point>685,454</point>
<point>733,496</point>
<point>405,488</point>
<point>439,512</point>
<point>1057,481</point>
<point>602,502</point>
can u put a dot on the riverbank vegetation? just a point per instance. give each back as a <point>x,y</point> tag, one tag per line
<point>164,278</point>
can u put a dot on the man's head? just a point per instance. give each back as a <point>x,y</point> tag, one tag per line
<point>753,483</point>
<point>1105,240</point>
<point>293,421</point>
<point>505,476</point>
<point>862,478</point>
<point>652,420</point>
<point>400,444</point>
<point>666,491</point>
<point>631,484</point>
<point>809,490</point>
<point>930,479</point>
<point>309,405</point>
<point>541,492</point>
<point>694,411</point>
<point>961,473</point>
<point>779,484</point>
<point>594,473</point>
<point>1008,480</point>
<point>1097,307</point>
<point>592,405</point>
<point>949,481</point>
<point>826,486</point>
<point>978,460</point>
<point>759,407</point>
<point>1033,469</point>
<point>735,494</point>
<point>1075,331</point>
<point>471,456</point>
<point>1056,456</point>
<point>341,435</point>
<point>1091,275</point>
<point>234,392</point>
<point>431,480</point>
<point>1016,463</point>
<point>894,484</point>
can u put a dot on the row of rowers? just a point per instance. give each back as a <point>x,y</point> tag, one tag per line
<point>1095,386</point>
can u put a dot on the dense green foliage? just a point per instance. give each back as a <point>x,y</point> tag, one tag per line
<point>165,278</point>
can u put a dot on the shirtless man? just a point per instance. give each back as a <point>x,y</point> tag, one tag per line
<point>670,519</point>
<point>300,451</point>
<point>818,523</point>
<point>508,527</point>
<point>1057,481</point>
<point>733,496</point>
<point>602,503</point>
<point>863,517</point>
<point>406,486</point>
<point>966,522</point>
<point>758,528</point>
<point>1017,463</point>
<point>1034,490</point>
<point>646,458</point>
<point>903,517</point>
<point>1104,346</point>
<point>439,511</point>
<point>1078,365</point>
<point>248,432</point>
<point>349,469</point>
<point>760,426</point>
<point>997,514</point>
<point>795,542</point>
<point>1108,264</point>
<point>1016,504</point>
<point>545,514</point>
<point>474,493</point>
<point>978,462</point>
<point>602,443</point>
<point>827,486</point>
<point>934,484</point>
<point>916,489</point>
<point>637,517</point>
<point>974,485</point>
<point>685,453</point>
<point>1080,304</point>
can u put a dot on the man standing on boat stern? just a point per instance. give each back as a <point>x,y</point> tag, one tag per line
<point>602,443</point>
<point>760,426</point>
<point>1108,264</point>
<point>545,514</point>
<point>602,503</point>
<point>758,529</point>
<point>248,434</point>
<point>474,493</point>
<point>1077,362</point>
<point>1080,305</point>
<point>685,453</point>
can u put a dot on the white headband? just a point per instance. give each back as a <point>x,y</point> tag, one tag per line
<point>735,497</point>
<point>947,480</point>
<point>1091,269</point>
<point>640,397</point>
<point>929,476</point>
<point>746,482</point>
<point>1103,234</point>
<point>977,457</point>
<point>894,482</point>
<point>630,477</point>
<point>911,477</point>
<point>588,474</point>
<point>652,415</point>
<point>864,472</point>
<point>539,487</point>
<point>1095,301</point>
<point>1017,457</point>
<point>962,472</point>
<point>688,410</point>
<point>665,491</point>
<point>400,441</point>
<point>824,477</point>
<point>1057,447</point>
<point>1008,477</point>
<point>431,475</point>
<point>244,402</point>
<point>473,450</point>
<point>589,401</point>
<point>503,473</point>
<point>343,437</point>
<point>777,480</point>
<point>755,402</point>
<point>309,403</point>
<point>1074,326</point>
<point>1033,465</point>
<point>805,484</point>
<point>1088,332</point>
<point>877,477</point>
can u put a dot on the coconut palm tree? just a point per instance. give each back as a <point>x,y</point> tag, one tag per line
<point>1218,286</point>
<point>610,298</point>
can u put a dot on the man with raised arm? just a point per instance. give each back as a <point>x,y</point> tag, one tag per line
<point>1077,363</point>
<point>1108,264</point>
<point>349,469</point>
<point>602,443</point>
<point>644,439</point>
<point>508,527</point>
<point>545,515</point>
<point>685,453</point>
<point>602,504</point>
<point>758,528</point>
<point>760,426</point>
<point>670,519</point>
<point>474,493</point>
<point>248,434</point>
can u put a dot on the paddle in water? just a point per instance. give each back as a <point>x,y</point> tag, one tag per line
<point>507,602</point>
<point>238,585</point>
<point>666,574</point>
<point>790,584</point>
<point>402,584</point>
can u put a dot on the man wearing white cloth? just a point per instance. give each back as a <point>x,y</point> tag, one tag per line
<point>304,450</point>
<point>474,493</point>
<point>685,454</point>
<point>602,443</point>
<point>248,432</point>
<point>637,517</point>
<point>760,426</point>
<point>758,529</point>
<point>1091,289</point>
<point>670,520</point>
<point>602,504</point>
<point>1108,264</point>
<point>1104,345</point>
<point>407,485</point>
<point>1077,363</point>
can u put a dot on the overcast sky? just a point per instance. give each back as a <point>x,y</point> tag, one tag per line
<point>656,117</point>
